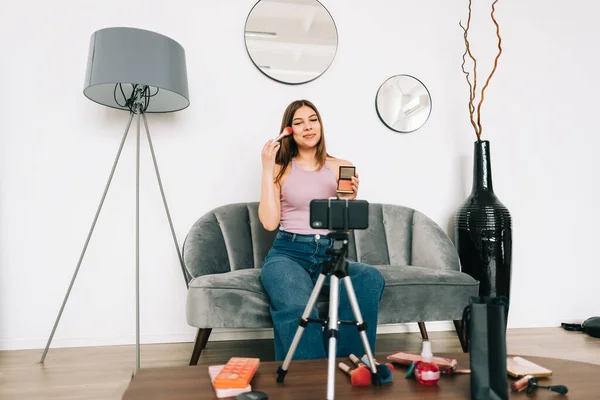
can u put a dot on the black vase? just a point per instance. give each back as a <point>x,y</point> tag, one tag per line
<point>483,230</point>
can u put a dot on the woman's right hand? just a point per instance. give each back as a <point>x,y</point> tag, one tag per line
<point>269,152</point>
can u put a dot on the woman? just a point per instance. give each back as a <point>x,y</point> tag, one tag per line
<point>295,172</point>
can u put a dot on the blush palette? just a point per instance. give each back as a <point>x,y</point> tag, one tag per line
<point>345,179</point>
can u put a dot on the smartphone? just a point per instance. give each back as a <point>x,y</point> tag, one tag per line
<point>339,214</point>
<point>345,179</point>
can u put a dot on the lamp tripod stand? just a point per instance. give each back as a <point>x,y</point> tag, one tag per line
<point>138,108</point>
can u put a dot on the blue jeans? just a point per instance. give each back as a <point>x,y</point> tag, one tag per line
<point>288,275</point>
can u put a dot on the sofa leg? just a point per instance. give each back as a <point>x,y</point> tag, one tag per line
<point>458,325</point>
<point>423,330</point>
<point>201,339</point>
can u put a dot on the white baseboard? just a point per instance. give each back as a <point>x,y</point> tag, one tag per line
<point>62,342</point>
<point>189,337</point>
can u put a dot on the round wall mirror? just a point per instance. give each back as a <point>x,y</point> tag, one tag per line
<point>403,103</point>
<point>291,41</point>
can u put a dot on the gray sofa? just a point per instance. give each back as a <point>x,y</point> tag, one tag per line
<point>225,248</point>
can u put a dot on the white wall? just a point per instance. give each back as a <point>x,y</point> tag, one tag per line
<point>57,147</point>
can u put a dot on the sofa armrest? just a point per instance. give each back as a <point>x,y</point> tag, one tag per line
<point>204,249</point>
<point>431,247</point>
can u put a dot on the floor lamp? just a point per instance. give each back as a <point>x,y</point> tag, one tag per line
<point>141,72</point>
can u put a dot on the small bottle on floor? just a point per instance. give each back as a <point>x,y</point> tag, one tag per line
<point>427,372</point>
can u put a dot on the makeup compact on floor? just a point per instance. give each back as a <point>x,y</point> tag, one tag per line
<point>345,179</point>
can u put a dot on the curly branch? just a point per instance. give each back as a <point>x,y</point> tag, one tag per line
<point>471,86</point>
<point>493,69</point>
<point>468,49</point>
<point>476,122</point>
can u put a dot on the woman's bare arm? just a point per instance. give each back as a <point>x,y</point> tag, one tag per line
<point>269,208</point>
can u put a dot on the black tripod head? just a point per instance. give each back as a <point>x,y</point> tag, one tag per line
<point>338,234</point>
<point>338,264</point>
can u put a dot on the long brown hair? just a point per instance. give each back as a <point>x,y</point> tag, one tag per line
<point>289,148</point>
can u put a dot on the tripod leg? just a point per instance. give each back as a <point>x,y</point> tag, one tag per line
<point>361,326</point>
<point>162,192</point>
<point>282,371</point>
<point>334,301</point>
<point>88,239</point>
<point>137,245</point>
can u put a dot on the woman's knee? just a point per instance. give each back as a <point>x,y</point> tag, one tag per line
<point>268,271</point>
<point>273,274</point>
<point>285,281</point>
<point>367,275</point>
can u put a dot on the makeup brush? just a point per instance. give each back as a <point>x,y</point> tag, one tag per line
<point>533,384</point>
<point>286,131</point>
<point>562,389</point>
<point>360,376</point>
<point>384,371</point>
<point>365,359</point>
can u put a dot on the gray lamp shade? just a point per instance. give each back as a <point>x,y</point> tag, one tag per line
<point>122,57</point>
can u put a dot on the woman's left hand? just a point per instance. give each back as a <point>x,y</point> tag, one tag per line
<point>351,196</point>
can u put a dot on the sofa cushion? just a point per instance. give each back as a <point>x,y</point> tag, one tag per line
<point>414,293</point>
<point>411,293</point>
<point>238,297</point>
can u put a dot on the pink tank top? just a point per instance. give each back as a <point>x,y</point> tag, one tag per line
<point>298,189</point>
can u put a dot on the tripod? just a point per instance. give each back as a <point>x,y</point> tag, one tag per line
<point>337,266</point>
<point>137,103</point>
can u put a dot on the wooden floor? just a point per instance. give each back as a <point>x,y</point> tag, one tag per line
<point>104,372</point>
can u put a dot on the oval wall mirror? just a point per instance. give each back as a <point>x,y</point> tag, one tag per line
<point>403,103</point>
<point>291,41</point>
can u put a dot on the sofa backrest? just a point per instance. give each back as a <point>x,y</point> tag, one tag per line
<point>231,237</point>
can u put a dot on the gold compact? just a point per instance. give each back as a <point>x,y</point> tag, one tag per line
<point>345,179</point>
